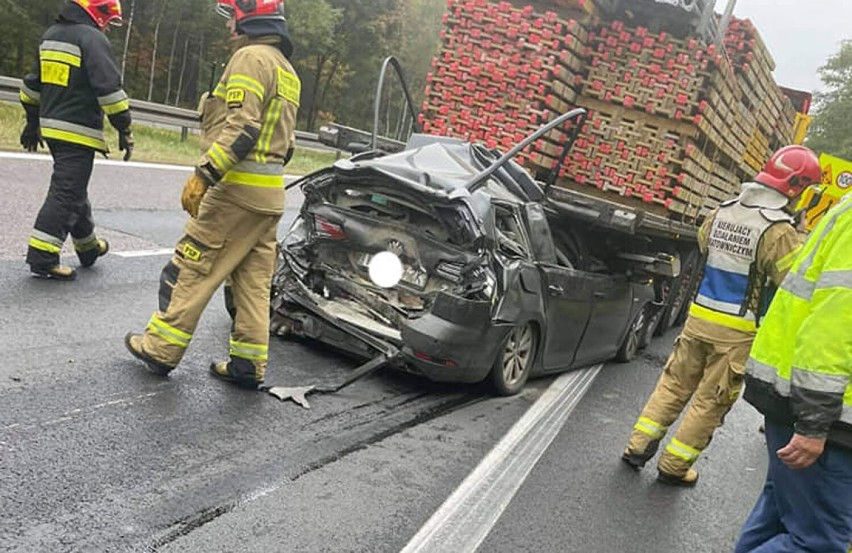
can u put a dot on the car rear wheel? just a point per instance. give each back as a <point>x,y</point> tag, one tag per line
<point>635,336</point>
<point>514,361</point>
<point>652,319</point>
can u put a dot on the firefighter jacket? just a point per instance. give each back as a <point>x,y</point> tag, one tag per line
<point>248,127</point>
<point>750,242</point>
<point>800,371</point>
<point>75,82</point>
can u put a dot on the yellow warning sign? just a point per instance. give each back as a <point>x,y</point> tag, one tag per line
<point>836,182</point>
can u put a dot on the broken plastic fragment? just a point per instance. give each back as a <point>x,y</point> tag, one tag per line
<point>297,394</point>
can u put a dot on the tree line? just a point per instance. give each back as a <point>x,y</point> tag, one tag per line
<point>170,51</point>
<point>831,131</point>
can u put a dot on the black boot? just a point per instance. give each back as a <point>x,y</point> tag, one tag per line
<point>637,460</point>
<point>88,257</point>
<point>55,272</point>
<point>228,372</point>
<point>687,480</point>
<point>133,343</point>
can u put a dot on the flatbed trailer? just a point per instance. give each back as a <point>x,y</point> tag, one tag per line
<point>647,234</point>
<point>618,216</point>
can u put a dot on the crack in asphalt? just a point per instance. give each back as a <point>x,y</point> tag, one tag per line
<point>183,527</point>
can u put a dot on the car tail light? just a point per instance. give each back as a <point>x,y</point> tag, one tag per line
<point>428,358</point>
<point>326,229</point>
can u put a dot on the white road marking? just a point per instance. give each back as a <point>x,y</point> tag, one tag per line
<point>145,253</point>
<point>466,518</point>
<point>100,161</point>
<point>72,415</point>
<point>115,163</point>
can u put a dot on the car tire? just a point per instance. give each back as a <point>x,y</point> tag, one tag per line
<point>514,360</point>
<point>652,319</point>
<point>633,340</point>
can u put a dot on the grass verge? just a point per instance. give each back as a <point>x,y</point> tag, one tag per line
<point>154,145</point>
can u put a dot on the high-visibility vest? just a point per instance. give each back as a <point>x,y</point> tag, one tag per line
<point>800,368</point>
<point>730,277</point>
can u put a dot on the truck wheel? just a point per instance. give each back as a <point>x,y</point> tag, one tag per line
<point>677,294</point>
<point>689,287</point>
<point>514,361</point>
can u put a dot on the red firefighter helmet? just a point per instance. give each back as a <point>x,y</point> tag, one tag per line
<point>251,9</point>
<point>103,12</point>
<point>790,170</point>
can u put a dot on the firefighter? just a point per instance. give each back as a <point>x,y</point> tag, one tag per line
<point>750,243</point>
<point>235,199</point>
<point>75,82</point>
<point>799,376</point>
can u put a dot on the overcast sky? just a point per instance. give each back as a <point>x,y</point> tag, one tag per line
<point>801,34</point>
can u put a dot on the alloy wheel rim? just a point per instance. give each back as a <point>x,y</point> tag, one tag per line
<point>633,339</point>
<point>517,354</point>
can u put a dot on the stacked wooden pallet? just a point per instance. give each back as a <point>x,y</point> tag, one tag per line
<point>503,70</point>
<point>674,125</point>
<point>774,113</point>
<point>666,123</point>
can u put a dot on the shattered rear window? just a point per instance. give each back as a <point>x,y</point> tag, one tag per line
<point>445,224</point>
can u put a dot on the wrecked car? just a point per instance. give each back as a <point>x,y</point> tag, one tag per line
<point>400,253</point>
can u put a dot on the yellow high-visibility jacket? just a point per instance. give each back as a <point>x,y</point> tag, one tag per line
<point>248,127</point>
<point>800,371</point>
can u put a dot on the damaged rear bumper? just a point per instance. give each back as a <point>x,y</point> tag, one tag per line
<point>446,352</point>
<point>454,342</point>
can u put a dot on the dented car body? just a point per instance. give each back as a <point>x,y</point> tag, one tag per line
<point>496,281</point>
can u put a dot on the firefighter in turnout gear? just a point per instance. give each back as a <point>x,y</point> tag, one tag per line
<point>235,199</point>
<point>799,376</point>
<point>749,243</point>
<point>75,82</point>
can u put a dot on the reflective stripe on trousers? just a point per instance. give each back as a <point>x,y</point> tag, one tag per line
<point>169,333</point>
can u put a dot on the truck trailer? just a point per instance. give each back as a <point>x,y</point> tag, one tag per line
<point>682,109</point>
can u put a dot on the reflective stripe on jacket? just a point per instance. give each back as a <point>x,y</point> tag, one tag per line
<point>75,82</point>
<point>732,276</point>
<point>248,125</point>
<point>801,363</point>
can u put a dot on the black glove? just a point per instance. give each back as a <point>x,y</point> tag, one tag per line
<point>126,143</point>
<point>31,137</point>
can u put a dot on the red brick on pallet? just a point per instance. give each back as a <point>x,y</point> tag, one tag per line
<point>498,58</point>
<point>674,125</point>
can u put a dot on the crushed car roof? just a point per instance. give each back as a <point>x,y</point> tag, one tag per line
<point>441,168</point>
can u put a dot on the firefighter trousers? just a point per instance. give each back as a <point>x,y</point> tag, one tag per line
<point>711,375</point>
<point>66,209</point>
<point>225,240</point>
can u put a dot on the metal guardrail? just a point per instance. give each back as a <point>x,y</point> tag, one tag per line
<point>348,139</point>
<point>149,112</point>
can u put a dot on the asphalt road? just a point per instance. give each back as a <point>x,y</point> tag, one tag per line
<point>98,455</point>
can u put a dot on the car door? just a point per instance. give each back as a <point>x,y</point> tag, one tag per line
<point>566,294</point>
<point>612,298</point>
<point>568,305</point>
